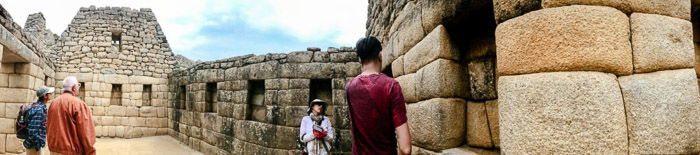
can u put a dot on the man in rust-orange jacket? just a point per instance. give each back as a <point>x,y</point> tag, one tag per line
<point>70,129</point>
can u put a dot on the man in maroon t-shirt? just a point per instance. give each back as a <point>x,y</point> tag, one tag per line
<point>376,106</point>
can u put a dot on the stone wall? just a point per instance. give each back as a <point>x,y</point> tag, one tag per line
<point>577,76</point>
<point>611,77</point>
<point>23,69</point>
<point>34,56</point>
<point>116,52</point>
<point>115,40</point>
<point>254,104</point>
<point>446,67</point>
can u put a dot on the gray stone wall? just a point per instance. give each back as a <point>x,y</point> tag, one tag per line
<point>259,100</point>
<point>88,47</point>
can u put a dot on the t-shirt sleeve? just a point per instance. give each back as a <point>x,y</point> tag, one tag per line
<point>398,105</point>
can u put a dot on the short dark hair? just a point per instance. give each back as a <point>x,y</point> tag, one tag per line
<point>368,48</point>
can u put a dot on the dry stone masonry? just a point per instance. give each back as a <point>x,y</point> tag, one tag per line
<point>478,76</point>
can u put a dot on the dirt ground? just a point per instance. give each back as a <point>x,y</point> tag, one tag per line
<point>140,146</point>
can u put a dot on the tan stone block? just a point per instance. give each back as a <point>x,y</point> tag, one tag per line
<point>115,110</point>
<point>7,125</point>
<point>3,138</point>
<point>4,80</point>
<point>492,115</point>
<point>17,95</point>
<point>120,131</point>
<point>397,67</point>
<point>438,123</point>
<point>674,8</point>
<point>408,84</point>
<point>147,112</point>
<point>662,112</point>
<point>108,120</point>
<point>436,45</point>
<point>13,144</point>
<point>570,38</point>
<point>478,133</point>
<point>2,109</point>
<point>12,110</point>
<point>132,111</point>
<point>622,5</point>
<point>441,79</point>
<point>661,43</point>
<point>561,112</point>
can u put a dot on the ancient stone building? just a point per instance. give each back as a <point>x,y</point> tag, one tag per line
<point>486,77</point>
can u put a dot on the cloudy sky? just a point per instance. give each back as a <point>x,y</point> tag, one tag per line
<point>216,29</point>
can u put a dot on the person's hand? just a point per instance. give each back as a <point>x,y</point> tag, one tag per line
<point>319,134</point>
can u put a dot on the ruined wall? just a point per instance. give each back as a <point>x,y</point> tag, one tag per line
<point>443,55</point>
<point>122,58</point>
<point>23,68</point>
<point>254,104</point>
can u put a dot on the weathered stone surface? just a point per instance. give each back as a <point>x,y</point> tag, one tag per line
<point>436,45</point>
<point>661,42</point>
<point>396,67</point>
<point>673,8</point>
<point>507,9</point>
<point>482,79</point>
<point>13,144</point>
<point>408,84</point>
<point>441,79</point>
<point>561,112</point>
<point>438,123</point>
<point>570,38</point>
<point>492,115</point>
<point>622,5</point>
<point>478,133</point>
<point>303,56</point>
<point>662,112</point>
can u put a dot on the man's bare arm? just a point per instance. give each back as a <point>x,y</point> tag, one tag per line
<point>404,138</point>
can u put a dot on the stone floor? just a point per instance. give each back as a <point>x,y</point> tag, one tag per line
<point>142,146</point>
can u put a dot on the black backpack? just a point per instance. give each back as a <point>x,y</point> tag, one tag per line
<point>22,120</point>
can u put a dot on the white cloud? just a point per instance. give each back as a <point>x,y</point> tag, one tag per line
<point>342,21</point>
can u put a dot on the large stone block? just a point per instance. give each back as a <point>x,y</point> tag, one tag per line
<point>561,112</point>
<point>408,84</point>
<point>438,123</point>
<point>674,8</point>
<point>441,79</point>
<point>661,42</point>
<point>570,38</point>
<point>7,125</point>
<point>622,5</point>
<point>482,79</point>
<point>13,144</point>
<point>436,45</point>
<point>663,112</point>
<point>17,95</point>
<point>478,132</point>
<point>300,57</point>
<point>3,137</point>
<point>492,115</point>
